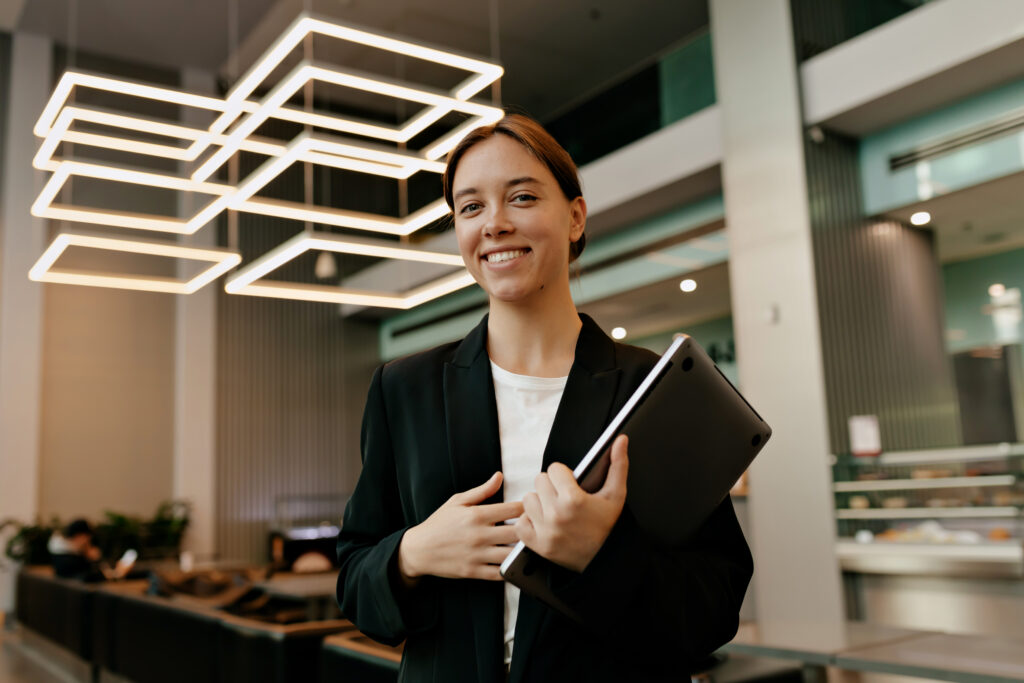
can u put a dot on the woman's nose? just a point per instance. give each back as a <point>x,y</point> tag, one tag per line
<point>497,223</point>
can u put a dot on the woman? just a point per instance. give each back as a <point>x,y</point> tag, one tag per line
<point>463,437</point>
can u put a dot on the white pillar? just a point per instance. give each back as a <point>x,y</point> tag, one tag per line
<point>195,369</point>
<point>775,314</point>
<point>22,240</point>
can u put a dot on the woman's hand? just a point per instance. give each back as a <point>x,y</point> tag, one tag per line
<point>564,523</point>
<point>462,539</point>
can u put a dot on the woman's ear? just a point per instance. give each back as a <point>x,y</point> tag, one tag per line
<point>577,218</point>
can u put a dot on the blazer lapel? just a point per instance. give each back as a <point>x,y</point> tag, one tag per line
<point>583,413</point>
<point>474,446</point>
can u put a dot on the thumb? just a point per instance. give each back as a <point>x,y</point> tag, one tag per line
<point>614,487</point>
<point>479,494</point>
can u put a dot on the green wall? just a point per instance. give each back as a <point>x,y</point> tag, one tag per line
<point>715,336</point>
<point>966,284</point>
<point>687,80</point>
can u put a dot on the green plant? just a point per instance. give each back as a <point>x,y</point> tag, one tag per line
<point>156,538</point>
<point>28,545</point>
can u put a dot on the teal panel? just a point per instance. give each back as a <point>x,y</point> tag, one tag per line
<point>970,320</point>
<point>687,79</point>
<point>715,336</point>
<point>885,189</point>
<point>673,261</point>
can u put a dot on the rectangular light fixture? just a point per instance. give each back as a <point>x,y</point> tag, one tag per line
<point>247,280</point>
<point>238,100</point>
<point>244,200</point>
<point>222,261</point>
<point>234,120</point>
<point>306,71</point>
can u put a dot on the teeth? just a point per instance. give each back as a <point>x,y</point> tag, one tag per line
<point>500,256</point>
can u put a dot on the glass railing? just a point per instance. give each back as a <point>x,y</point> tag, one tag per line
<point>681,83</point>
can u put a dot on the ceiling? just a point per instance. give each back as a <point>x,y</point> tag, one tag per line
<point>983,219</point>
<point>662,306</point>
<point>555,53</point>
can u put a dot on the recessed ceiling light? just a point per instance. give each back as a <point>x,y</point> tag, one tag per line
<point>997,290</point>
<point>688,285</point>
<point>619,332</point>
<point>921,218</point>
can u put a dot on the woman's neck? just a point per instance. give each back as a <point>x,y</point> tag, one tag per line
<point>538,339</point>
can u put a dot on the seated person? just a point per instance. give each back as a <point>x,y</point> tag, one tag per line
<point>75,557</point>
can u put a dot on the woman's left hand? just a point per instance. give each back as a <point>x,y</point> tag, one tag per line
<point>564,523</point>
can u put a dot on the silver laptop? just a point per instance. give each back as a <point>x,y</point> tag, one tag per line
<point>691,436</point>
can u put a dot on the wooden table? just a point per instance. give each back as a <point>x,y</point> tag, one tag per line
<point>943,656</point>
<point>316,590</point>
<point>812,643</point>
<point>815,645</point>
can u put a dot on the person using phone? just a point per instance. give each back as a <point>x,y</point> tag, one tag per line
<point>75,556</point>
<point>469,447</point>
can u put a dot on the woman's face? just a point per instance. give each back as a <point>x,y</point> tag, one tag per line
<point>512,221</point>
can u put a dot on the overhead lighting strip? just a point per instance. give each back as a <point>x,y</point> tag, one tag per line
<point>235,120</point>
<point>222,261</point>
<point>248,279</point>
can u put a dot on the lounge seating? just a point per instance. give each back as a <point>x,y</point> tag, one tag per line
<point>352,656</point>
<point>151,639</point>
<point>59,609</point>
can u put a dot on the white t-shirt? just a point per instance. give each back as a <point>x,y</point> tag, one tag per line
<point>526,411</point>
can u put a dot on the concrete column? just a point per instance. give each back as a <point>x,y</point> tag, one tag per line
<point>195,368</point>
<point>22,240</point>
<point>775,314</point>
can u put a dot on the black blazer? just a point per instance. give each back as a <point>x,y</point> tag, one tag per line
<point>430,430</point>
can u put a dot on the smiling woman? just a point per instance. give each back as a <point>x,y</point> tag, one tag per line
<point>468,448</point>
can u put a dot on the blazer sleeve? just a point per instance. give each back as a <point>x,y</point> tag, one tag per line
<point>684,600</point>
<point>370,592</point>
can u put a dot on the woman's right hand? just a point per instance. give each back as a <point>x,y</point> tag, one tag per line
<point>463,539</point>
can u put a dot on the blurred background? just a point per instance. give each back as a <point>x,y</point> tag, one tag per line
<point>828,195</point>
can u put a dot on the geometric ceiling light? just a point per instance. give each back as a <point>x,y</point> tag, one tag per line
<point>349,143</point>
<point>223,260</point>
<point>247,280</point>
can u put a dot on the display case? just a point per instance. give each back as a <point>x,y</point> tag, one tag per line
<point>949,512</point>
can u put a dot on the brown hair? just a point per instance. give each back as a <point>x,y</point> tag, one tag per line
<point>539,142</point>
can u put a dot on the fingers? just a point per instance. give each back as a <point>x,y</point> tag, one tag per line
<point>502,534</point>
<point>525,531</point>
<point>614,487</point>
<point>487,572</point>
<point>532,507</point>
<point>496,555</point>
<point>498,512</point>
<point>478,494</point>
<point>563,481</point>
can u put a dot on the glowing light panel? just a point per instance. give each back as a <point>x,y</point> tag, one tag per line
<point>247,280</point>
<point>222,260</point>
<point>234,120</point>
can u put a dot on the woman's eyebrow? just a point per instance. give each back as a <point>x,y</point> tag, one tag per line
<point>520,181</point>
<point>511,183</point>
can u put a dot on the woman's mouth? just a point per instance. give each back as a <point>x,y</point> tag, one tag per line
<point>505,256</point>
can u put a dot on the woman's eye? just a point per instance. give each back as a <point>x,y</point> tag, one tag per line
<point>523,198</point>
<point>472,206</point>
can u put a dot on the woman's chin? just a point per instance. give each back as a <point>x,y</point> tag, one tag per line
<point>509,294</point>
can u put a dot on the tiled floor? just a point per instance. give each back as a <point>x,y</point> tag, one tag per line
<point>18,665</point>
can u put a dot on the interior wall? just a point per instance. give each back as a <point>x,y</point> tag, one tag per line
<point>971,317</point>
<point>880,304</point>
<point>292,378</point>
